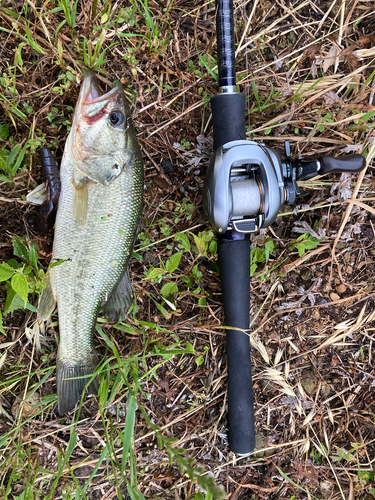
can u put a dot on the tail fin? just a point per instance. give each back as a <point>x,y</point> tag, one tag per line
<point>70,388</point>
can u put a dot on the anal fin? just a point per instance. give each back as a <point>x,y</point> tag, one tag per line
<point>119,301</point>
<point>47,301</point>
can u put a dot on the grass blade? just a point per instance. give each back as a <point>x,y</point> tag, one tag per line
<point>128,431</point>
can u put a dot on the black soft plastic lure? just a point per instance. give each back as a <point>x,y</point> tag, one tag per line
<point>51,175</point>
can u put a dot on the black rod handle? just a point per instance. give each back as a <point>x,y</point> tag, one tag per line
<point>234,263</point>
<point>228,118</point>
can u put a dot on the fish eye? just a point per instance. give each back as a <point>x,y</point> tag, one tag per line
<point>116,118</point>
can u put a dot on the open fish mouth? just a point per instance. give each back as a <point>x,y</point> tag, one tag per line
<point>92,103</point>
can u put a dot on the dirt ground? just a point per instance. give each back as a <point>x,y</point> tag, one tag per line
<point>307,70</point>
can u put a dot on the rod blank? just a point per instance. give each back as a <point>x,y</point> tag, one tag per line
<point>225,43</point>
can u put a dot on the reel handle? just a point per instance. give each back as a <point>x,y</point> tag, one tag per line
<point>347,163</point>
<point>329,165</point>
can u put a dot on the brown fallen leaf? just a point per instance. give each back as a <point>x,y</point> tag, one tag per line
<point>305,471</point>
<point>331,57</point>
<point>310,53</point>
<point>349,53</point>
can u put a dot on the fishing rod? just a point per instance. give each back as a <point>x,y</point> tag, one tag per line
<point>246,185</point>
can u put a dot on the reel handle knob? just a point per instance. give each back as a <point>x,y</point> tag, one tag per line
<point>347,163</point>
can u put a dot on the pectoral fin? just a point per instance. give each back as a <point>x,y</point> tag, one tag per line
<point>119,301</point>
<point>47,301</point>
<point>38,195</point>
<point>80,201</point>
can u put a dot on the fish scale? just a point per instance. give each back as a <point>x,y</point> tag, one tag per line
<point>93,253</point>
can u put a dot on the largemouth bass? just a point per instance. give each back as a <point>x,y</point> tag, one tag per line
<point>96,225</point>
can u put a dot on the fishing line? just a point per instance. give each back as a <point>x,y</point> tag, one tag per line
<point>247,87</point>
<point>11,31</point>
<point>134,108</point>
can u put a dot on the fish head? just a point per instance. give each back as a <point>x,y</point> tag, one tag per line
<point>101,139</point>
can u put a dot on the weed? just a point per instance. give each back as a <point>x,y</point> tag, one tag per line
<point>203,245</point>
<point>321,124</point>
<point>287,478</point>
<point>65,81</point>
<point>366,476</point>
<point>305,242</point>
<point>262,254</point>
<point>263,103</point>
<point>57,117</point>
<point>12,159</point>
<point>205,69</point>
<point>69,8</point>
<point>11,109</point>
<point>204,95</point>
<point>259,255</point>
<point>126,15</point>
<point>155,27</point>
<point>185,144</point>
<point>201,496</point>
<point>316,455</point>
<point>129,374</point>
<point>94,54</point>
<point>21,278</point>
<point>4,131</point>
<point>342,454</point>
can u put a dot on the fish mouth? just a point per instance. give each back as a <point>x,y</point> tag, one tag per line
<point>92,103</point>
<point>92,106</point>
<point>90,88</point>
<point>91,94</point>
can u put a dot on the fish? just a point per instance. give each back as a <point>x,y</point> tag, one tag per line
<point>97,221</point>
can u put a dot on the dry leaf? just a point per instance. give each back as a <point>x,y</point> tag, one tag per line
<point>364,53</point>
<point>305,471</point>
<point>352,148</point>
<point>330,58</point>
<point>278,63</point>
<point>367,40</point>
<point>314,69</point>
<point>331,98</point>
<point>310,53</point>
<point>351,58</point>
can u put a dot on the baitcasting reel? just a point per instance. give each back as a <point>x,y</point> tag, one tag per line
<point>247,183</point>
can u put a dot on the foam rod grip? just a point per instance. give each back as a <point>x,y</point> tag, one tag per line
<point>228,118</point>
<point>234,263</point>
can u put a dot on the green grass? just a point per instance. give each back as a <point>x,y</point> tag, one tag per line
<point>121,383</point>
